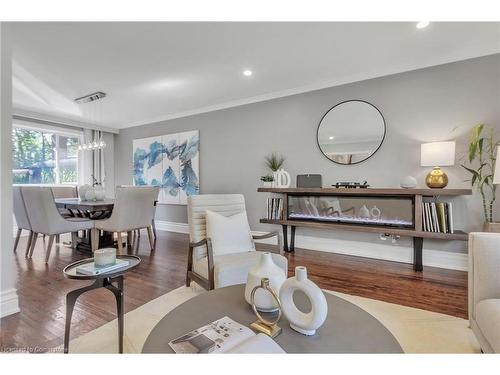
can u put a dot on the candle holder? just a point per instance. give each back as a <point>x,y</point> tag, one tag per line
<point>265,326</point>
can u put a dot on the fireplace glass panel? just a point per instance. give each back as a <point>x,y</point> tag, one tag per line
<point>380,211</point>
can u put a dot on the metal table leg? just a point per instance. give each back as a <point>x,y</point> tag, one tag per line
<point>107,283</point>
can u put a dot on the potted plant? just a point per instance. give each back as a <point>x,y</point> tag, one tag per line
<point>481,164</point>
<point>281,178</point>
<point>267,181</point>
<point>274,162</point>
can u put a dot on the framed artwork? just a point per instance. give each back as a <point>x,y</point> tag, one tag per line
<point>170,161</point>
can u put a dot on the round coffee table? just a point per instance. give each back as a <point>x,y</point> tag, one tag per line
<point>347,329</point>
<point>104,280</point>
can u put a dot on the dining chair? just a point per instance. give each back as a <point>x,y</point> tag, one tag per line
<point>153,224</point>
<point>205,267</point>
<point>46,219</point>
<point>63,192</point>
<point>21,217</point>
<point>133,209</point>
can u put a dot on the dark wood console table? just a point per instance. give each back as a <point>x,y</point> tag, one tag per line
<point>415,231</point>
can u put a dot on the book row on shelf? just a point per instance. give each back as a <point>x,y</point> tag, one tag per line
<point>274,208</point>
<point>437,217</point>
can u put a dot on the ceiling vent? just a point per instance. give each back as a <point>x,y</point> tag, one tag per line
<point>91,97</point>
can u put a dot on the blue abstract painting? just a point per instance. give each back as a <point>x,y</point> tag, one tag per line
<point>171,162</point>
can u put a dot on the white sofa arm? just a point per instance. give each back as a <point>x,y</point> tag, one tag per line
<point>484,269</point>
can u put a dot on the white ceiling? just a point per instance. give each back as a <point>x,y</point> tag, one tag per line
<point>155,71</point>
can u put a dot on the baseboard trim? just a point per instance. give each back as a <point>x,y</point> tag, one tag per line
<point>9,302</point>
<point>171,226</point>
<point>395,253</point>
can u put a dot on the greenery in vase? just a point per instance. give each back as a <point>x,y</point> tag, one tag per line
<point>274,161</point>
<point>267,178</point>
<point>481,153</point>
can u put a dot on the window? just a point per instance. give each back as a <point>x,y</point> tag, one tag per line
<point>44,156</point>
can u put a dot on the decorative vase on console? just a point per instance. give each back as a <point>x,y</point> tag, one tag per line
<point>305,323</point>
<point>266,268</point>
<point>282,178</point>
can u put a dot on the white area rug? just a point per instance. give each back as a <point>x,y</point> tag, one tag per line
<point>417,331</point>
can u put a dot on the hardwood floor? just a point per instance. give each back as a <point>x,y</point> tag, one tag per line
<point>42,288</point>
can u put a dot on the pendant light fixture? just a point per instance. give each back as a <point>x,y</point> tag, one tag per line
<point>89,102</point>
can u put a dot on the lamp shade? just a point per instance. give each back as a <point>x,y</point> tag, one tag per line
<point>496,174</point>
<point>437,154</point>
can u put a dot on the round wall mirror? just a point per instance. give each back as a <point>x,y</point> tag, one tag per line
<point>351,132</point>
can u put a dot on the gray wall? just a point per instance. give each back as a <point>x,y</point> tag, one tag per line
<point>438,103</point>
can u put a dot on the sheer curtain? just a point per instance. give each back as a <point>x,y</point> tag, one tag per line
<point>92,161</point>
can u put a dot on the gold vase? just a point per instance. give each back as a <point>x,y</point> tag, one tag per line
<point>436,179</point>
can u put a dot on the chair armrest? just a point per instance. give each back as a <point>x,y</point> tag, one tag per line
<point>199,243</point>
<point>210,258</point>
<point>266,235</point>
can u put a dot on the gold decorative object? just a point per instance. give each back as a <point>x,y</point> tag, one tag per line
<point>437,154</point>
<point>436,179</point>
<point>267,327</point>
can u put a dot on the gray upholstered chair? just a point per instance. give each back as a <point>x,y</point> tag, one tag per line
<point>484,289</point>
<point>153,224</point>
<point>46,219</point>
<point>217,271</point>
<point>21,218</point>
<point>133,209</point>
<point>64,191</point>
<point>61,192</point>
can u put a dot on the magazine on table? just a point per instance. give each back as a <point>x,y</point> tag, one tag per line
<point>224,336</point>
<point>91,269</point>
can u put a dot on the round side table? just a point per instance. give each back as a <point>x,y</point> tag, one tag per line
<point>104,280</point>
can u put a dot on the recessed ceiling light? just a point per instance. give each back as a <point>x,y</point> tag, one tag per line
<point>247,73</point>
<point>331,137</point>
<point>422,24</point>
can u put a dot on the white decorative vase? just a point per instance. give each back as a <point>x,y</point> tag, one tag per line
<point>90,194</point>
<point>408,182</point>
<point>99,193</point>
<point>305,323</point>
<point>82,190</point>
<point>364,212</point>
<point>264,301</point>
<point>376,213</point>
<point>282,179</point>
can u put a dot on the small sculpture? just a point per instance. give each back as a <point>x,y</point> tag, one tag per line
<point>408,182</point>
<point>364,212</point>
<point>305,323</point>
<point>270,328</point>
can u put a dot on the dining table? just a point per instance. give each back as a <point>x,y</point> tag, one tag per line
<point>92,210</point>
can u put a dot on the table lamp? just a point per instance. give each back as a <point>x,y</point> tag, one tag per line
<point>437,154</point>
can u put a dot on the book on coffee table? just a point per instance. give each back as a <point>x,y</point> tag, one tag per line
<point>91,269</point>
<point>224,336</point>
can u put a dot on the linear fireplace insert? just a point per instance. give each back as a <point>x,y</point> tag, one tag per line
<point>378,211</point>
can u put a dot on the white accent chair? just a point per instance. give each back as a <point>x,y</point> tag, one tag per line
<point>21,216</point>
<point>484,289</point>
<point>211,271</point>
<point>45,217</point>
<point>134,209</point>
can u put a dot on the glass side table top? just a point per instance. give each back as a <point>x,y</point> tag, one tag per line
<point>70,270</point>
